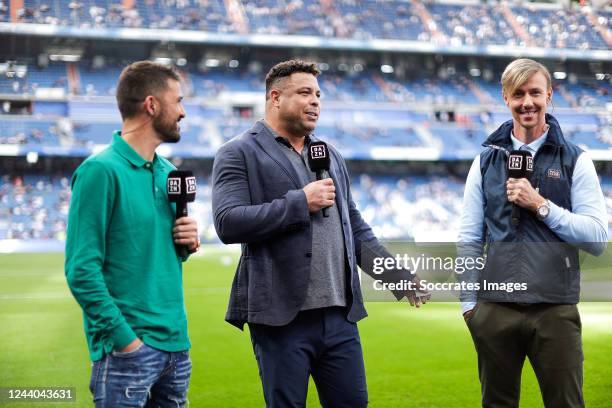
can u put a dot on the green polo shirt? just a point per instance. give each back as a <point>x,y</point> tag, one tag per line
<point>121,265</point>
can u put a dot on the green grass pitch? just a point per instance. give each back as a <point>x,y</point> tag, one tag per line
<point>414,358</point>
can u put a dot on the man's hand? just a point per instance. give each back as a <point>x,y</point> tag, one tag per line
<point>185,232</point>
<point>132,346</point>
<point>521,193</point>
<point>320,194</point>
<point>417,297</point>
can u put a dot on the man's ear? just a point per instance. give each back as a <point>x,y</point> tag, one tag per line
<point>274,97</point>
<point>549,95</point>
<point>150,105</point>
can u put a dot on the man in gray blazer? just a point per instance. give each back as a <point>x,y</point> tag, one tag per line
<point>296,284</point>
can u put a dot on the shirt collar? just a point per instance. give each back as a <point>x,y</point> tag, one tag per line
<point>283,140</point>
<point>125,150</point>
<point>532,147</point>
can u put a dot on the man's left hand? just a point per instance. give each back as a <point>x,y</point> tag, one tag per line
<point>521,193</point>
<point>185,232</point>
<point>417,297</point>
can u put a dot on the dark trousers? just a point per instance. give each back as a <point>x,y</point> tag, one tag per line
<point>319,342</point>
<point>549,335</point>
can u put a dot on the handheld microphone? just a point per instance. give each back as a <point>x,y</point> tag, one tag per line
<point>520,165</point>
<point>181,187</point>
<point>319,162</point>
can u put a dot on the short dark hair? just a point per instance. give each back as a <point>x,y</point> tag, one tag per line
<point>139,80</point>
<point>285,69</point>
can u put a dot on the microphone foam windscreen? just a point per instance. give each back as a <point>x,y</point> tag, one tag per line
<point>181,186</point>
<point>520,164</point>
<point>318,156</point>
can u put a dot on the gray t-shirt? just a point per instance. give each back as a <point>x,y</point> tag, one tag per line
<point>327,284</point>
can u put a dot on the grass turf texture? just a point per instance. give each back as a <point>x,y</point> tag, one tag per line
<point>414,358</point>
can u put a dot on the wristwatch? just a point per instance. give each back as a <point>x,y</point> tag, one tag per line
<point>543,210</point>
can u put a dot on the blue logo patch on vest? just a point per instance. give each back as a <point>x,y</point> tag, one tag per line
<point>554,173</point>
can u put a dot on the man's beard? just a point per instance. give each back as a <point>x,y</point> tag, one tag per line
<point>166,129</point>
<point>293,123</point>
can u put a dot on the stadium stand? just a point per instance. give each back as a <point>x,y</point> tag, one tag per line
<point>17,131</point>
<point>397,207</point>
<point>558,28</point>
<point>474,23</point>
<point>336,85</point>
<point>34,207</point>
<point>454,140</point>
<point>432,108</point>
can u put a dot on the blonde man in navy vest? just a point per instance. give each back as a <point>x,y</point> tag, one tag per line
<point>561,209</point>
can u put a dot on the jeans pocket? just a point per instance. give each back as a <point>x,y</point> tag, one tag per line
<point>127,354</point>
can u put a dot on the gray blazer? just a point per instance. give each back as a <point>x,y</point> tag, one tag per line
<point>258,202</point>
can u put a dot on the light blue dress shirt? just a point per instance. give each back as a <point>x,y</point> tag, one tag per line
<point>586,226</point>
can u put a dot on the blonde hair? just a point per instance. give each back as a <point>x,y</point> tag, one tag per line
<point>519,71</point>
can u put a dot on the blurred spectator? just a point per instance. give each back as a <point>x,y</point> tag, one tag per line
<point>397,207</point>
<point>560,28</point>
<point>4,11</point>
<point>34,207</point>
<point>472,25</point>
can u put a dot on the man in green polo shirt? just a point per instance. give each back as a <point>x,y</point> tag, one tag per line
<point>121,262</point>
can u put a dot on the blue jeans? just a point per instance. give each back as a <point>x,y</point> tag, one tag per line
<point>144,377</point>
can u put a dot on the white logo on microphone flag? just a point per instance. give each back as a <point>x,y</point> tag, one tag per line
<point>516,162</point>
<point>530,163</point>
<point>174,185</point>
<point>191,185</point>
<point>318,152</point>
